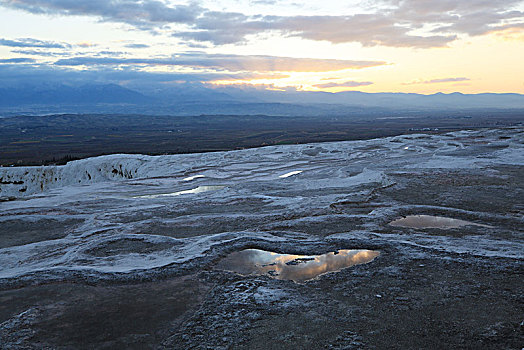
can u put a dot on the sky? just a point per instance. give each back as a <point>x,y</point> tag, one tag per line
<point>420,46</point>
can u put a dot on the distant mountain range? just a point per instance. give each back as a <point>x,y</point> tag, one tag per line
<point>65,94</point>
<point>401,100</point>
<point>187,99</point>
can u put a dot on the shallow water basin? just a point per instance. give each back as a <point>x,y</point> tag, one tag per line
<point>298,268</point>
<point>191,178</point>
<point>292,173</point>
<point>428,221</point>
<point>199,189</point>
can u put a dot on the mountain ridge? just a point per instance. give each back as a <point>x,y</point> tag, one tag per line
<point>188,94</point>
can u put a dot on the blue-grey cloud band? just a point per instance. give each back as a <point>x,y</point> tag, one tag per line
<point>33,43</point>
<point>234,63</point>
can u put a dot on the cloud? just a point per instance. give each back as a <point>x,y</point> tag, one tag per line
<point>472,17</point>
<point>137,46</point>
<point>369,29</point>
<point>264,2</point>
<point>438,81</point>
<point>13,73</point>
<point>227,27</point>
<point>33,43</point>
<point>394,26</point>
<point>348,84</point>
<point>446,80</point>
<point>109,53</point>
<point>16,60</point>
<point>395,23</point>
<point>233,63</point>
<point>143,13</point>
<point>42,53</point>
<point>86,44</point>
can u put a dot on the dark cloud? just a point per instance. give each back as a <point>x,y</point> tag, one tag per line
<point>14,74</point>
<point>395,22</point>
<point>472,17</point>
<point>140,13</point>
<point>227,27</point>
<point>233,63</point>
<point>438,81</point>
<point>348,84</point>
<point>392,27</point>
<point>34,43</point>
<point>368,29</point>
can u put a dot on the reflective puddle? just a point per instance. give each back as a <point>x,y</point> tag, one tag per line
<point>198,189</point>
<point>290,174</point>
<point>428,221</point>
<point>191,178</point>
<point>298,268</point>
